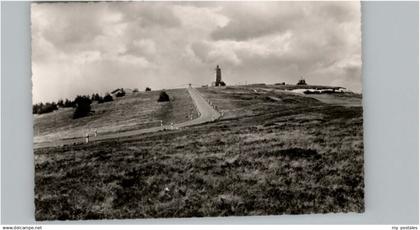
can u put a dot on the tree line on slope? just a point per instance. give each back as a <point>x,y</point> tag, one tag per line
<point>81,103</point>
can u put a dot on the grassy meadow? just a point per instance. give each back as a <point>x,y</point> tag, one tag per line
<point>133,111</point>
<point>271,153</point>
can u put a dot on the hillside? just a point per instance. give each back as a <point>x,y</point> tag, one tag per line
<point>133,111</point>
<point>272,152</point>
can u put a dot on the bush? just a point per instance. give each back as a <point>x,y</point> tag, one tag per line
<point>60,103</point>
<point>35,108</point>
<point>107,98</point>
<point>163,97</point>
<point>82,106</point>
<point>99,99</point>
<point>96,97</point>
<point>135,90</point>
<point>148,89</point>
<point>68,104</point>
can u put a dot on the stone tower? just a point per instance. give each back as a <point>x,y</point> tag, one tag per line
<point>218,76</point>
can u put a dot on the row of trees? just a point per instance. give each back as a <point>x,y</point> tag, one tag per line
<point>82,103</point>
<point>100,99</point>
<point>44,108</point>
<point>79,103</point>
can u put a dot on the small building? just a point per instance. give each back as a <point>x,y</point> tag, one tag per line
<point>120,92</point>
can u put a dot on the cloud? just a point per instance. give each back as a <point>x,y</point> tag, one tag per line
<point>147,14</point>
<point>215,53</point>
<point>81,48</point>
<point>282,41</point>
<point>253,19</point>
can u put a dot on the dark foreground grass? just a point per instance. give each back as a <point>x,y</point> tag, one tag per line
<point>293,156</point>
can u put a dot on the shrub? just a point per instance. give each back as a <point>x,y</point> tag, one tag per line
<point>107,98</point>
<point>163,97</point>
<point>68,103</point>
<point>82,106</point>
<point>135,90</point>
<point>60,103</point>
<point>148,89</point>
<point>96,97</point>
<point>100,99</point>
<point>35,108</point>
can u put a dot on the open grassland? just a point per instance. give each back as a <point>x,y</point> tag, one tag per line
<point>271,153</point>
<point>290,87</point>
<point>239,100</point>
<point>135,111</point>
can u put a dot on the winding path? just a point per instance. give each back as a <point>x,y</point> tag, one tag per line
<point>207,114</point>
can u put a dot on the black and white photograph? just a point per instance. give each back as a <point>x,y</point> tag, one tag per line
<point>196,109</point>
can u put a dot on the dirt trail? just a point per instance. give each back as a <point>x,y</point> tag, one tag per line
<point>207,114</point>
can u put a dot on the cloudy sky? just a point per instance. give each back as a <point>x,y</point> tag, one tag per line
<point>81,48</point>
